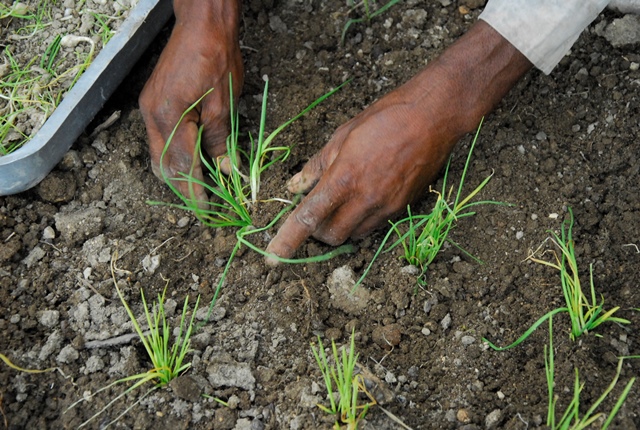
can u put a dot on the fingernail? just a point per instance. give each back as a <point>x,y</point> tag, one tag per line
<point>294,182</point>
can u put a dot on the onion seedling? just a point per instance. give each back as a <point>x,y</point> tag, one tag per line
<point>571,417</point>
<point>368,15</point>
<point>168,360</point>
<point>236,191</point>
<point>585,315</point>
<point>426,234</point>
<point>341,374</point>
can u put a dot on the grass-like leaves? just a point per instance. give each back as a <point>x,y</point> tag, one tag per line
<point>426,234</point>
<point>571,418</point>
<point>234,193</point>
<point>339,375</point>
<point>369,14</point>
<point>167,357</point>
<point>586,313</point>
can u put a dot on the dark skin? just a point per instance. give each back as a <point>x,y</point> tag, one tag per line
<point>352,187</point>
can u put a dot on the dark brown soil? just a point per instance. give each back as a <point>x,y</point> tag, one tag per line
<point>556,142</point>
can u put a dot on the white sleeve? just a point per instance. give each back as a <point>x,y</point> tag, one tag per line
<point>543,30</point>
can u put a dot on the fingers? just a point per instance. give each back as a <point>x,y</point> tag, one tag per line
<point>302,223</point>
<point>179,162</point>
<point>308,177</point>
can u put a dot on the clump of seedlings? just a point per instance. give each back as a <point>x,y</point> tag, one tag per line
<point>167,356</point>
<point>235,193</point>
<point>571,417</point>
<point>585,312</point>
<point>339,375</point>
<point>423,235</point>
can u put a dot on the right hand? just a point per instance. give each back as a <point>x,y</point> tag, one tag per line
<point>202,50</point>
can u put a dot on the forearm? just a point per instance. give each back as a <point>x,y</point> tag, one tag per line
<point>221,14</point>
<point>471,77</point>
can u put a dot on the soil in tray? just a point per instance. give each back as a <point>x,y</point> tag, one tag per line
<point>46,48</point>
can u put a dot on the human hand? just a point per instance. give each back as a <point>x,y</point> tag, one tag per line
<point>386,156</point>
<point>202,50</point>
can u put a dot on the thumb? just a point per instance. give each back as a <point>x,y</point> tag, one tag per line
<point>308,177</point>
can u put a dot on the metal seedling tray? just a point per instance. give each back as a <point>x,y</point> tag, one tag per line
<point>27,166</point>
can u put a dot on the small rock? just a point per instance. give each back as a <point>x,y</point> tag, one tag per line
<point>340,285</point>
<point>463,416</point>
<point>623,31</point>
<point>224,419</point>
<point>34,256</point>
<point>67,355</point>
<point>49,318</point>
<point>183,222</point>
<point>446,321</point>
<point>467,340</point>
<point>243,424</point>
<point>276,24</point>
<point>48,233</point>
<point>53,343</point>
<point>410,270</point>
<point>94,364</point>
<point>150,264</point>
<point>57,187</point>
<point>390,378</point>
<point>493,419</point>
<point>185,387</point>
<point>333,334</point>
<point>231,374</point>
<point>426,331</point>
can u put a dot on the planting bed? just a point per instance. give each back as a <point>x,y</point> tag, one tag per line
<point>559,141</point>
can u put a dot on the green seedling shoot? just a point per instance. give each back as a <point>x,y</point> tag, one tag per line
<point>235,193</point>
<point>167,358</point>
<point>369,14</point>
<point>585,314</point>
<point>340,375</point>
<point>571,417</point>
<point>426,234</point>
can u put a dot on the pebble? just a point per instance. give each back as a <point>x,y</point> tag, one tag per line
<point>67,355</point>
<point>426,331</point>
<point>34,256</point>
<point>183,222</point>
<point>49,318</point>
<point>48,233</point>
<point>150,264</point>
<point>519,235</point>
<point>463,416</point>
<point>231,374</point>
<point>387,336</point>
<point>467,340</point>
<point>493,419</point>
<point>446,321</point>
